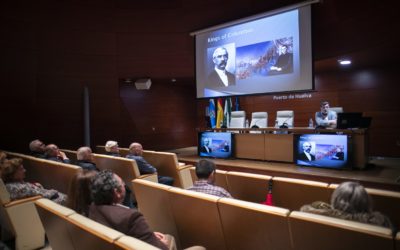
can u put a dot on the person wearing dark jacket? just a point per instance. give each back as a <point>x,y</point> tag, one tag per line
<point>108,191</point>
<point>136,153</point>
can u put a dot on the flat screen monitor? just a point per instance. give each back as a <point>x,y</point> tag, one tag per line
<point>321,150</point>
<point>215,144</point>
<point>348,120</point>
<point>267,53</point>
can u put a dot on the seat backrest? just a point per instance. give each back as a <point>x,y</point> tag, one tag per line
<point>293,193</point>
<point>220,177</point>
<point>127,169</point>
<point>4,194</point>
<point>197,219</point>
<point>311,231</point>
<point>248,225</point>
<point>51,174</point>
<point>259,119</point>
<point>152,196</point>
<point>238,119</point>
<point>130,243</point>
<point>285,116</point>
<point>89,234</point>
<point>397,241</point>
<point>337,109</point>
<point>53,217</point>
<point>247,186</point>
<point>166,164</point>
<point>384,201</point>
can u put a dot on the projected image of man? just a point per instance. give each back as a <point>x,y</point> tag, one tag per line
<point>220,77</point>
<point>306,154</point>
<point>206,148</point>
<point>284,63</point>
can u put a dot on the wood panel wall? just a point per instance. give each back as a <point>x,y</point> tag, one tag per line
<point>51,50</point>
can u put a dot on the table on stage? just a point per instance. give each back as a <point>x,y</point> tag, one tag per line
<point>275,144</point>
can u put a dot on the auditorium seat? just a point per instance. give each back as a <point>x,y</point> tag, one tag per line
<point>397,241</point>
<point>151,197</point>
<point>247,225</point>
<point>293,193</point>
<point>20,221</point>
<point>315,232</point>
<point>285,117</point>
<point>130,243</point>
<point>384,201</point>
<point>89,234</point>
<point>259,119</point>
<point>53,217</point>
<point>51,174</point>
<point>197,219</point>
<point>247,186</point>
<point>238,119</point>
<point>167,164</point>
<point>220,177</point>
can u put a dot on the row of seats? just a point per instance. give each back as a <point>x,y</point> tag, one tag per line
<point>222,223</point>
<point>260,119</point>
<point>166,163</point>
<point>65,229</point>
<point>28,231</point>
<point>292,193</point>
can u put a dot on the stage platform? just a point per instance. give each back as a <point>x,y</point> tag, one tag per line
<point>381,172</point>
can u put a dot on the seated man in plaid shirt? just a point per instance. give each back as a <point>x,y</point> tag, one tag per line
<point>205,171</point>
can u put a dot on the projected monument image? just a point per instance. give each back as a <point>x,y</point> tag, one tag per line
<point>264,59</point>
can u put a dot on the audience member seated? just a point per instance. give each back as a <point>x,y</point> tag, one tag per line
<point>79,197</point>
<point>85,159</point>
<point>136,153</point>
<point>108,191</point>
<point>37,149</point>
<point>53,153</point>
<point>13,175</point>
<point>325,118</point>
<point>349,201</point>
<point>205,172</point>
<point>112,148</point>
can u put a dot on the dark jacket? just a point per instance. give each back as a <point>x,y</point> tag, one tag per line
<point>87,165</point>
<point>125,220</point>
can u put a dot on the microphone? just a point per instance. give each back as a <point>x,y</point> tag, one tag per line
<point>284,123</point>
<point>255,123</point>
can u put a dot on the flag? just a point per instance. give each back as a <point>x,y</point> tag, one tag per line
<point>211,112</point>
<point>227,112</point>
<point>268,199</point>
<point>220,113</point>
<point>237,103</point>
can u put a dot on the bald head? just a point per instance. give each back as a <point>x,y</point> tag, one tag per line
<point>37,146</point>
<point>136,149</point>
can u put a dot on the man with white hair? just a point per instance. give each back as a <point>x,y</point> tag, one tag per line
<point>85,159</point>
<point>136,153</point>
<point>112,148</point>
<point>220,77</point>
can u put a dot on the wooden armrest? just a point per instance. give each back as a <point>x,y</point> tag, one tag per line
<point>24,200</point>
<point>149,177</point>
<point>185,167</point>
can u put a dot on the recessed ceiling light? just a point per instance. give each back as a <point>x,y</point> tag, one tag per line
<point>344,62</point>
